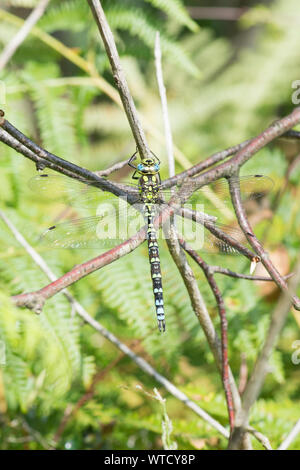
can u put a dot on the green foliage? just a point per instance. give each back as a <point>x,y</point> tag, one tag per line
<point>219,93</point>
<point>176,10</point>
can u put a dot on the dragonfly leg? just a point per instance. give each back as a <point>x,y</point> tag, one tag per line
<point>131,160</point>
<point>135,177</point>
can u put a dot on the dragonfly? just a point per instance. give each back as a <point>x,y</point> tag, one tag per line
<point>117,219</point>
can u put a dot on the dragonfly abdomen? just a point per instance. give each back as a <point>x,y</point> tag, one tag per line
<point>155,267</point>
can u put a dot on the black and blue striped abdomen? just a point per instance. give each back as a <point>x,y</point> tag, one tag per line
<point>155,267</point>
<point>149,187</point>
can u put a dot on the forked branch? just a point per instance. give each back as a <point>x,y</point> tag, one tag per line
<point>193,179</point>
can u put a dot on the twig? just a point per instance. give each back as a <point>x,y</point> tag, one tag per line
<point>290,437</point>
<point>226,169</point>
<point>223,321</point>
<point>292,135</point>
<point>260,369</point>
<point>21,143</point>
<point>243,375</point>
<point>89,68</point>
<point>248,277</point>
<point>42,158</point>
<point>260,437</point>
<point>280,193</point>
<point>171,166</point>
<point>201,312</point>
<point>70,412</point>
<point>35,300</point>
<point>203,165</point>
<point>251,147</point>
<point>21,35</point>
<point>254,242</point>
<point>116,167</point>
<point>36,436</point>
<point>119,77</point>
<point>216,158</point>
<point>139,361</point>
<point>164,104</point>
<point>223,236</point>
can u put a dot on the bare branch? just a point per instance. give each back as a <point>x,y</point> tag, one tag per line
<point>260,437</point>
<point>290,437</point>
<point>218,157</point>
<point>22,144</point>
<point>119,77</point>
<point>247,150</point>
<point>228,272</point>
<point>116,167</point>
<point>35,300</point>
<point>22,34</point>
<point>203,165</point>
<point>200,309</point>
<point>254,242</point>
<point>260,369</point>
<point>138,360</point>
<point>223,320</point>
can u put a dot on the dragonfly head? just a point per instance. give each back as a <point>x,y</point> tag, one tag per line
<point>148,166</point>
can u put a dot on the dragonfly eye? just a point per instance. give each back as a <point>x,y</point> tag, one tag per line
<point>156,166</point>
<point>140,167</point>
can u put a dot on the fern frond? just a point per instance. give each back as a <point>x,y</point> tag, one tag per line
<point>138,25</point>
<point>88,370</point>
<point>54,110</point>
<point>69,15</point>
<point>176,10</point>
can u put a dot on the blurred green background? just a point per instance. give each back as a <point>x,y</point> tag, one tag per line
<point>228,74</point>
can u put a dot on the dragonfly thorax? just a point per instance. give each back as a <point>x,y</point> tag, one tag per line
<point>148,166</point>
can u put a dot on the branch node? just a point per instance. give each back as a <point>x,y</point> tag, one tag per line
<point>33,301</point>
<point>2,119</point>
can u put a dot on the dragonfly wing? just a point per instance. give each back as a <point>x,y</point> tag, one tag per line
<point>110,227</point>
<point>62,189</point>
<point>213,237</point>
<point>71,191</point>
<point>251,186</point>
<point>222,246</point>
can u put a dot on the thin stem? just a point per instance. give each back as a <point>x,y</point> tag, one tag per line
<point>223,321</point>
<point>260,369</point>
<point>254,242</point>
<point>248,277</point>
<point>98,81</point>
<point>20,142</point>
<point>119,77</point>
<point>164,105</point>
<point>22,34</point>
<point>260,437</point>
<point>203,165</point>
<point>138,360</point>
<point>35,300</point>
<point>203,316</point>
<point>290,437</point>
